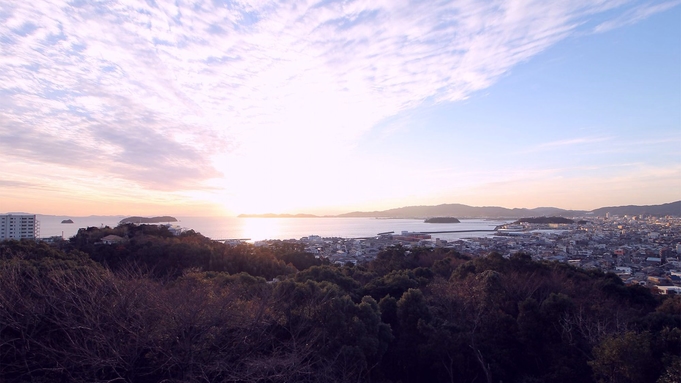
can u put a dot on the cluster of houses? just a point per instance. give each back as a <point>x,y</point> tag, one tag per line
<point>641,250</point>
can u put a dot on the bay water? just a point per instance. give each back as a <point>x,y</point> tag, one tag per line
<point>255,229</point>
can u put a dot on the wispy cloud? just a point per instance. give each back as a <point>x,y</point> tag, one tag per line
<point>151,92</point>
<point>635,15</point>
<point>16,184</point>
<point>572,142</point>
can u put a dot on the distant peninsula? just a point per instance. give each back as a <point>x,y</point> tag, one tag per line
<point>148,220</point>
<point>270,215</point>
<point>67,221</point>
<point>442,220</point>
<point>491,212</point>
<point>465,211</point>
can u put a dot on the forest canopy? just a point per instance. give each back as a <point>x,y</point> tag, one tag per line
<point>159,307</point>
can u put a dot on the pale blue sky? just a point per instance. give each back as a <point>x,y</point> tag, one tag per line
<point>594,106</point>
<point>227,107</point>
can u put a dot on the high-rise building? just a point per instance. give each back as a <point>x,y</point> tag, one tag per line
<point>19,226</point>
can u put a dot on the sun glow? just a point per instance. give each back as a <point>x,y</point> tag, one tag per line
<point>257,229</point>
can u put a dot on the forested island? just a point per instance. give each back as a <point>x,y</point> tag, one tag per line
<point>546,220</point>
<point>139,220</point>
<point>158,307</point>
<point>67,221</point>
<point>442,220</point>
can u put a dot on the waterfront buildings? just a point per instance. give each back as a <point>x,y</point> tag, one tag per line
<point>19,226</point>
<point>643,251</point>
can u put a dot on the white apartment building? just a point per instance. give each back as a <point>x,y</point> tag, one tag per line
<point>19,226</point>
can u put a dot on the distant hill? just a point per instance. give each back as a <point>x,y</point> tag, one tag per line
<point>148,220</point>
<point>465,211</point>
<point>672,208</point>
<point>270,215</point>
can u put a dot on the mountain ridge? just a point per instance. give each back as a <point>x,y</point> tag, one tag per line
<point>466,211</point>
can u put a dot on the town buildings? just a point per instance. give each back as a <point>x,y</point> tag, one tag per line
<point>643,250</point>
<point>640,250</point>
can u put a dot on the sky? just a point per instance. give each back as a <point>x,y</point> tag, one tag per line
<point>225,107</point>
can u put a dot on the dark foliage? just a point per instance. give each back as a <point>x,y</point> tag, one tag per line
<point>154,249</point>
<point>154,307</point>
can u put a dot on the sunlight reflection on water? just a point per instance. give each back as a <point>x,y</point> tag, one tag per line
<point>257,229</point>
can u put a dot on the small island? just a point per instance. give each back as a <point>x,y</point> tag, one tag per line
<point>442,220</point>
<point>67,221</point>
<point>139,220</point>
<point>545,220</point>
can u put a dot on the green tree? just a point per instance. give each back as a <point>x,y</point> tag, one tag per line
<point>624,358</point>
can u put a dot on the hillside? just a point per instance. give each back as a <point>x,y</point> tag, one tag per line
<point>465,211</point>
<point>672,208</point>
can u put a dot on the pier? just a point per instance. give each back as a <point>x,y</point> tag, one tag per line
<point>432,232</point>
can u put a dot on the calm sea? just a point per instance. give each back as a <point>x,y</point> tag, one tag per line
<point>256,229</point>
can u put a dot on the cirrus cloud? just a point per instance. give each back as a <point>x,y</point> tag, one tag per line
<point>151,92</point>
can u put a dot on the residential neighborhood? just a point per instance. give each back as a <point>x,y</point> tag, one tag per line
<point>641,250</point>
